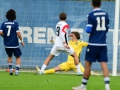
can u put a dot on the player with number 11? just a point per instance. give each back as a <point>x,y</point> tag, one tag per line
<point>97,27</point>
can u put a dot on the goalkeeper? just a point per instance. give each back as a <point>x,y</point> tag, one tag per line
<point>77,45</point>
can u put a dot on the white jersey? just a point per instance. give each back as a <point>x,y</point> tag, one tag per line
<point>61,33</point>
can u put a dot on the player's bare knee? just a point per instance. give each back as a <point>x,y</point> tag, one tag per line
<point>73,55</point>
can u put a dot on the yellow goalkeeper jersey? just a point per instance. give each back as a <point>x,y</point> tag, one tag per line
<point>77,46</point>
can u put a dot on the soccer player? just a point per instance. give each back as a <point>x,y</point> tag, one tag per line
<point>97,27</point>
<point>10,33</point>
<point>77,45</point>
<point>61,44</point>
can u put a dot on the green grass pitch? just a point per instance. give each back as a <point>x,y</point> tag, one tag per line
<point>30,81</point>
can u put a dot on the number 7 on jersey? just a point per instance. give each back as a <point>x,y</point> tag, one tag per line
<point>9,29</point>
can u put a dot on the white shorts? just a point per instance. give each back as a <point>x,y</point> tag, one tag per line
<point>56,50</point>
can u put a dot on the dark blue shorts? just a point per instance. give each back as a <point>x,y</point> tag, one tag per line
<point>15,51</point>
<point>96,53</point>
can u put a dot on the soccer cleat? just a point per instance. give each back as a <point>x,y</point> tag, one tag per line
<point>79,88</point>
<point>80,73</point>
<point>94,74</point>
<point>17,74</point>
<point>11,73</point>
<point>38,70</point>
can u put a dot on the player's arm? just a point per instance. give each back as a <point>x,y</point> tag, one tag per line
<point>84,44</point>
<point>107,22</point>
<point>1,31</point>
<point>70,35</point>
<point>2,34</point>
<point>19,34</point>
<point>89,25</point>
<point>62,36</point>
<point>20,37</point>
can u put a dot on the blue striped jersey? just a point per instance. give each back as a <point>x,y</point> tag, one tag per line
<point>97,27</point>
<point>9,28</point>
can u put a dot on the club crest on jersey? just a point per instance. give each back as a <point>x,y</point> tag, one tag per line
<point>76,43</point>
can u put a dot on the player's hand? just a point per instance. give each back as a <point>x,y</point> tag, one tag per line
<point>70,35</point>
<point>22,43</point>
<point>67,46</point>
<point>2,34</point>
<point>52,41</point>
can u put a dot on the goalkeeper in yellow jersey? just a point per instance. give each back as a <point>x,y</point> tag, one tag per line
<point>77,45</point>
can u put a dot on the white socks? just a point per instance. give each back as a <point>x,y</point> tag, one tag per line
<point>43,67</point>
<point>78,68</point>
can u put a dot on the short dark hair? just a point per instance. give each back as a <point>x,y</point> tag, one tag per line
<point>62,16</point>
<point>96,3</point>
<point>76,34</point>
<point>11,14</point>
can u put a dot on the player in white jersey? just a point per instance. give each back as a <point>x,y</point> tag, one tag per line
<point>61,44</point>
<point>61,33</point>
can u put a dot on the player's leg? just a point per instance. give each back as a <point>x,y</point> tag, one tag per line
<point>53,70</point>
<point>85,76</point>
<point>10,64</point>
<point>48,59</point>
<point>9,53</point>
<point>86,73</point>
<point>54,52</point>
<point>81,67</point>
<point>91,55</point>
<point>17,54</point>
<point>18,61</point>
<point>46,62</point>
<point>106,75</point>
<point>49,71</point>
<point>103,59</point>
<point>62,67</point>
<point>76,60</point>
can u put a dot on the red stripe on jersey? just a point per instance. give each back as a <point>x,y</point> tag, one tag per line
<point>66,26</point>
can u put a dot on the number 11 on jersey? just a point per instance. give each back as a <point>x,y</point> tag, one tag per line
<point>100,24</point>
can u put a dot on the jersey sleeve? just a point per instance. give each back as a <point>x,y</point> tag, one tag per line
<point>63,33</point>
<point>89,24</point>
<point>17,27</point>
<point>65,28</point>
<point>84,44</point>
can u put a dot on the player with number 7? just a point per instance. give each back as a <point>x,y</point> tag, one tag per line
<point>10,32</point>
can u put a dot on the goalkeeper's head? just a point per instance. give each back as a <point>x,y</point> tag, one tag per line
<point>11,14</point>
<point>77,35</point>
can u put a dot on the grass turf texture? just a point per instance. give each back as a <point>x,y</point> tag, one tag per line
<point>30,81</point>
